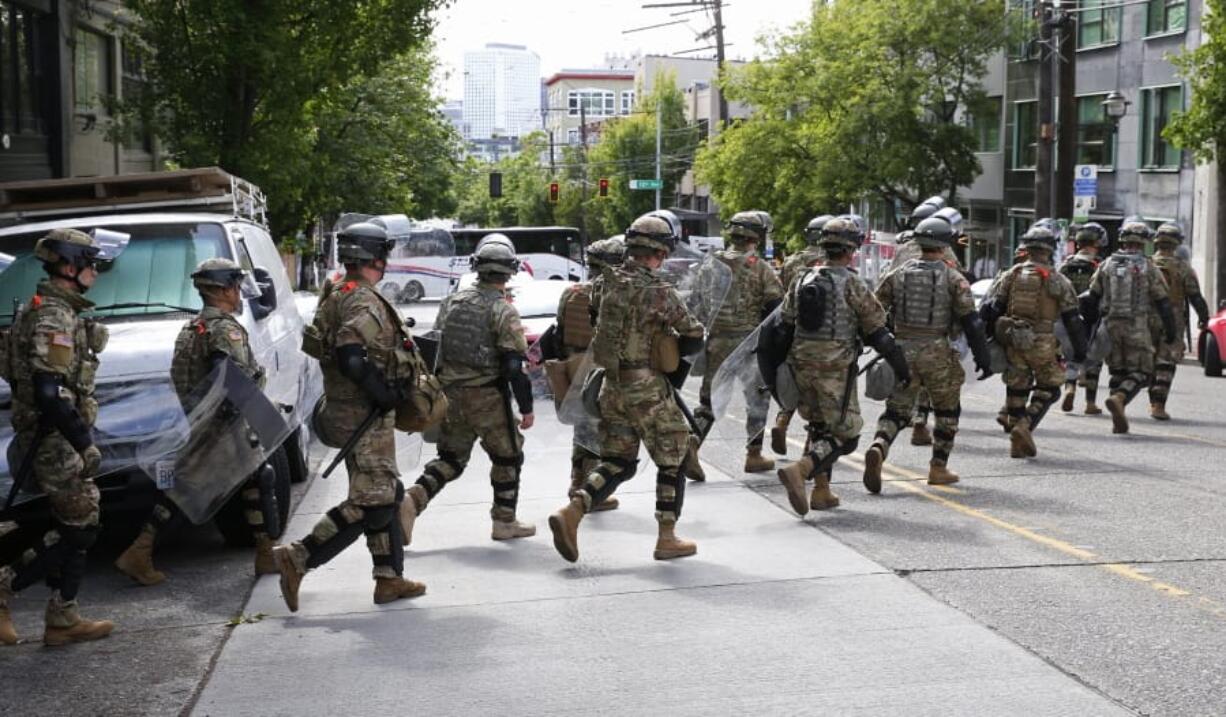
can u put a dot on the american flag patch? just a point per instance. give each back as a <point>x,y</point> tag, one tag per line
<point>59,339</point>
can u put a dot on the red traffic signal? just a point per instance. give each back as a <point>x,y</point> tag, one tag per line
<point>555,191</point>
<point>604,187</point>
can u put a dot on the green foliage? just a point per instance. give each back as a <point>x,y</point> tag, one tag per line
<point>1202,128</point>
<point>525,184</point>
<point>323,103</point>
<point>859,102</point>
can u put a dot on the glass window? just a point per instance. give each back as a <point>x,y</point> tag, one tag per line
<point>594,102</point>
<point>986,125</point>
<point>1166,16</point>
<point>1025,134</point>
<point>19,72</point>
<point>91,63</point>
<point>572,136</point>
<point>1158,104</point>
<point>1098,26</point>
<point>627,102</point>
<point>1095,132</point>
<point>1026,49</point>
<point>133,71</point>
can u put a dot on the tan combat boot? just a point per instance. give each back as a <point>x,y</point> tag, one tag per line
<point>137,561</point>
<point>291,574</point>
<point>392,589</point>
<point>793,480</point>
<point>65,625</point>
<point>8,633</point>
<point>821,498</point>
<point>1092,409</point>
<point>264,564</point>
<point>874,457</point>
<point>920,435</point>
<point>1005,421</point>
<point>939,474</point>
<point>511,529</point>
<point>565,527</point>
<point>1158,412</point>
<point>669,546</point>
<point>1119,421</point>
<point>1021,442</point>
<point>779,435</point>
<point>690,465</point>
<point>755,462</point>
<point>1070,393</point>
<point>414,503</point>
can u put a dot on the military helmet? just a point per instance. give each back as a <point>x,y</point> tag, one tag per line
<point>362,242</point>
<point>1091,234</point>
<point>933,233</point>
<point>1039,237</point>
<point>651,232</point>
<point>925,209</point>
<point>749,226</point>
<point>1169,233</point>
<point>813,230</point>
<point>841,233</point>
<point>953,217</point>
<point>606,252</point>
<point>217,272</point>
<point>1136,232</point>
<point>858,223</point>
<point>495,255</point>
<point>70,246</point>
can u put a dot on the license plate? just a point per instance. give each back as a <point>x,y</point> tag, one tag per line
<point>165,478</point>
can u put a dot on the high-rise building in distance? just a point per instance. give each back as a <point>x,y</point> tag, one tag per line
<point>502,91</point>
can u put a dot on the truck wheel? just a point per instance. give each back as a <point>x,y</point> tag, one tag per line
<point>1213,357</point>
<point>390,290</point>
<point>231,520</point>
<point>413,291</point>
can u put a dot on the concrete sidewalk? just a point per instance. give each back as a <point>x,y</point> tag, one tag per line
<point>772,616</point>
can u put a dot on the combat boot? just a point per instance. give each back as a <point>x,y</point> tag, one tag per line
<point>755,462</point>
<point>793,480</point>
<point>565,527</point>
<point>1158,411</point>
<point>779,435</point>
<point>1005,421</point>
<point>939,474</point>
<point>511,529</point>
<point>414,503</point>
<point>920,435</point>
<point>264,564</point>
<point>669,546</point>
<point>1119,421</point>
<point>65,625</point>
<point>137,561</point>
<point>610,503</point>
<point>1092,409</point>
<point>1070,394</point>
<point>873,458</point>
<point>8,633</point>
<point>392,589</point>
<point>291,574</point>
<point>1021,442</point>
<point>690,466</point>
<point>821,498</point>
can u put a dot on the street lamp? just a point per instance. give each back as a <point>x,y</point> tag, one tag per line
<point>1116,107</point>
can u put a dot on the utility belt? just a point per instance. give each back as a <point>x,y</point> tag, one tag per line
<point>634,374</point>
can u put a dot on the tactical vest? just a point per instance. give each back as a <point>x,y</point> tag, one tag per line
<point>190,363</point>
<point>1172,270</point>
<point>467,339</point>
<point>1125,286</point>
<point>395,359</point>
<point>623,336</point>
<point>738,310</point>
<point>1079,270</point>
<point>89,339</point>
<point>923,304</point>
<point>576,318</point>
<point>837,322</point>
<point>1030,297</point>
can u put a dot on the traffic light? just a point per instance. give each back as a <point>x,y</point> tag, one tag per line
<point>555,190</point>
<point>604,188</point>
<point>495,184</point>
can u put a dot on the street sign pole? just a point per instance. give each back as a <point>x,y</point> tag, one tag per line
<point>1085,191</point>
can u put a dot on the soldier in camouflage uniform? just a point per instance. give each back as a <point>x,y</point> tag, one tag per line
<point>481,359</point>
<point>1022,313</point>
<point>1079,269</point>
<point>793,267</point>
<point>1184,289</point>
<point>930,303</point>
<point>52,360</point>
<point>574,336</point>
<point>825,313</point>
<point>213,336</point>
<point>1128,290</point>
<point>754,294</point>
<point>359,340</point>
<point>636,309</point>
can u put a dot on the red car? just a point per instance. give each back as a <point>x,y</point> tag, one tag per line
<point>1211,347</point>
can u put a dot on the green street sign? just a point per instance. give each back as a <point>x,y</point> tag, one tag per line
<point>646,184</point>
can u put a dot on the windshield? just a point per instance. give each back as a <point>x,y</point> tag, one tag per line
<point>154,269</point>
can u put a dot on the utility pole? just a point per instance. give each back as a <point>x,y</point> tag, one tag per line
<point>552,164</point>
<point>583,169</point>
<point>1045,159</point>
<point>1066,146</point>
<point>659,134</point>
<point>719,59</point>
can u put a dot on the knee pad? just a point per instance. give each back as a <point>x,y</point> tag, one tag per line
<point>77,538</point>
<point>375,519</point>
<point>516,461</point>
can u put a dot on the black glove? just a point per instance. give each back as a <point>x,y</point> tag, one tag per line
<point>521,385</point>
<point>1202,310</point>
<point>351,361</point>
<point>1076,334</point>
<point>883,343</point>
<point>1168,319</point>
<point>989,312</point>
<point>978,340</point>
<point>1088,302</point>
<point>769,308</point>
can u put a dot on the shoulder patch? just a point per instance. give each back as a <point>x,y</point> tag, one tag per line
<point>348,286</point>
<point>235,335</point>
<point>61,339</point>
<point>37,301</point>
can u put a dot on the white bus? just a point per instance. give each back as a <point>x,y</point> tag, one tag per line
<point>544,252</point>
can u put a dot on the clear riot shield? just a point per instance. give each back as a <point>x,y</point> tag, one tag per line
<point>225,430</point>
<point>740,397</point>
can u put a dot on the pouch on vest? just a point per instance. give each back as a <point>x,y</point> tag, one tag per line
<point>591,392</point>
<point>312,342</point>
<point>97,335</point>
<point>665,352</point>
<point>325,426</point>
<point>560,373</point>
<point>811,306</point>
<point>425,406</point>
<point>880,380</point>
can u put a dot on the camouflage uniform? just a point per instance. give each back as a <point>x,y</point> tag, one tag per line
<point>1079,269</point>
<point>793,267</point>
<point>479,325</point>
<point>1184,288</point>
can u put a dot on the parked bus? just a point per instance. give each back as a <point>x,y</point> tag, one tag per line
<point>544,252</point>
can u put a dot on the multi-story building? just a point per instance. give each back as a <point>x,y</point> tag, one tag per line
<point>595,94</point>
<point>502,91</point>
<point>60,70</point>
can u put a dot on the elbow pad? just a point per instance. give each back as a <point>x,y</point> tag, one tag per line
<point>1088,304</point>
<point>352,363</point>
<point>1202,309</point>
<point>1168,318</point>
<point>883,343</point>
<point>1076,334</point>
<point>689,345</point>
<point>521,386</point>
<point>58,413</point>
<point>977,339</point>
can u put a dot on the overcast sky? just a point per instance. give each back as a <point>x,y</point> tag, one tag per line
<point>579,33</point>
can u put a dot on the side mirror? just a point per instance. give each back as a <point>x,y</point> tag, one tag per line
<point>266,302</point>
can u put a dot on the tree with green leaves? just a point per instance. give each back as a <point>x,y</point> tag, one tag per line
<point>272,91</point>
<point>862,101</point>
<point>525,182</point>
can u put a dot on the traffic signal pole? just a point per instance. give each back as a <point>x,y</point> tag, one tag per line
<point>659,134</point>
